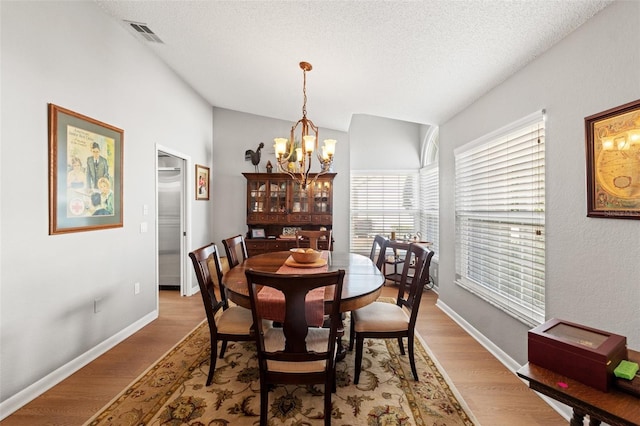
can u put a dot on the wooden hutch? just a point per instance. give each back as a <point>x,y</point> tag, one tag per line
<point>276,205</point>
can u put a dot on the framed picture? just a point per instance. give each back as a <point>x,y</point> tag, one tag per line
<point>85,173</point>
<point>257,233</point>
<point>613,162</point>
<point>202,182</point>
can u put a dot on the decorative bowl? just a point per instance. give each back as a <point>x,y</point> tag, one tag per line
<point>302,255</point>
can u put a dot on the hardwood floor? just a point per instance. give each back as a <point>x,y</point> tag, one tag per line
<point>76,399</point>
<point>494,395</point>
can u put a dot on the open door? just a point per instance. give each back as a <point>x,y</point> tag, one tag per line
<point>172,220</point>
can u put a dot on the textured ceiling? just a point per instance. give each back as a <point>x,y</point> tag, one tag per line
<point>417,61</point>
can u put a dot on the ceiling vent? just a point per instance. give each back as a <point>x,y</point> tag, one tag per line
<point>144,31</point>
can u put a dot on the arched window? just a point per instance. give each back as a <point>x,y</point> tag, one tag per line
<point>429,189</point>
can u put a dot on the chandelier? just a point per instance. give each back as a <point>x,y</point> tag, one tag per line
<point>293,155</point>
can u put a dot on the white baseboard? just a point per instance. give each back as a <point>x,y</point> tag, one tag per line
<point>12,404</point>
<point>511,364</point>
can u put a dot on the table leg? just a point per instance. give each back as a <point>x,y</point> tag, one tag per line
<point>577,419</point>
<point>593,422</point>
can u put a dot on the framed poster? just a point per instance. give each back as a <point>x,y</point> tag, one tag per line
<point>613,162</point>
<point>85,173</point>
<point>202,182</point>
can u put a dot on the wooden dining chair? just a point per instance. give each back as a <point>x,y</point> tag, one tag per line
<point>313,237</point>
<point>296,353</point>
<point>382,320</point>
<point>236,249</point>
<point>378,250</point>
<point>234,323</point>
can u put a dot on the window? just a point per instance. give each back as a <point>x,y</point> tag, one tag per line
<point>382,202</point>
<point>429,190</point>
<point>500,208</point>
<point>429,205</point>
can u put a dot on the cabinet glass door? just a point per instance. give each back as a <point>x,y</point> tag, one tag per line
<point>278,196</point>
<point>257,194</point>
<point>300,199</point>
<point>321,193</point>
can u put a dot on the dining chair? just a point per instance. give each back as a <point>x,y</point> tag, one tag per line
<point>378,250</point>
<point>233,323</point>
<point>235,248</point>
<point>295,353</point>
<point>313,237</point>
<point>382,320</point>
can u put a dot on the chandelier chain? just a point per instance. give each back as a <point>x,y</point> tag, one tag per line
<point>304,93</point>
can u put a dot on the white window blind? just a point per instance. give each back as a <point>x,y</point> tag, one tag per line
<point>382,202</point>
<point>429,205</point>
<point>500,218</point>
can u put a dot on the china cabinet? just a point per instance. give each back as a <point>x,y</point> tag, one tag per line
<point>278,205</point>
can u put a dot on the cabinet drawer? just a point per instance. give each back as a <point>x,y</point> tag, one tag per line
<point>256,245</point>
<point>262,217</point>
<point>281,245</point>
<point>322,219</point>
<point>299,218</point>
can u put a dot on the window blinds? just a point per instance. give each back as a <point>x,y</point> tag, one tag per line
<point>429,205</point>
<point>500,219</point>
<point>381,203</point>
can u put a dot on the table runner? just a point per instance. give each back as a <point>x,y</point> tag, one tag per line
<point>271,301</point>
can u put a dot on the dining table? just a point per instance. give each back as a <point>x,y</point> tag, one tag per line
<point>362,283</point>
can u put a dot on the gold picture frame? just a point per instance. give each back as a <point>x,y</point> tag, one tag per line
<point>202,182</point>
<point>85,173</point>
<point>613,162</point>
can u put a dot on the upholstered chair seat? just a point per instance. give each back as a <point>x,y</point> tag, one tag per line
<point>380,316</point>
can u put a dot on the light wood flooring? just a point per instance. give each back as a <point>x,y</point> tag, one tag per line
<point>494,394</point>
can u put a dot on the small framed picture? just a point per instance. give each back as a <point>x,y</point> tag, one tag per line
<point>257,233</point>
<point>202,182</point>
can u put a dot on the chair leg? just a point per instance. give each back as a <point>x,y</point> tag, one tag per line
<point>352,333</point>
<point>412,360</point>
<point>358,366</point>
<point>401,345</point>
<point>212,361</point>
<point>223,348</point>
<point>264,403</point>
<point>334,380</point>
<point>327,401</point>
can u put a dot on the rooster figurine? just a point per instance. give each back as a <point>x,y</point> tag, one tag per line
<point>254,156</point>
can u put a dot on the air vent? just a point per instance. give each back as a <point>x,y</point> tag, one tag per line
<point>145,31</point>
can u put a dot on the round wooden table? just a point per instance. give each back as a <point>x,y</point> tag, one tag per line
<point>362,281</point>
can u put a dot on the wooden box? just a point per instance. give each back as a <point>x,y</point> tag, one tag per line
<point>576,351</point>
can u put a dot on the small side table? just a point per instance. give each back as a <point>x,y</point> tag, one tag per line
<point>615,407</point>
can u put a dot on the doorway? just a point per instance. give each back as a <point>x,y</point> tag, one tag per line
<point>171,221</point>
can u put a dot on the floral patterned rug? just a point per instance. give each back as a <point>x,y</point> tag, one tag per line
<point>173,392</point>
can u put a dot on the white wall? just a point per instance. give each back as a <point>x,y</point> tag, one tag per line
<point>592,265</point>
<point>379,143</point>
<point>72,55</point>
<point>235,132</point>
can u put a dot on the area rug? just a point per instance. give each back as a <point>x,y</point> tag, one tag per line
<point>173,392</point>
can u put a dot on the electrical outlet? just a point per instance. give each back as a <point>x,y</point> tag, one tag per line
<point>97,305</point>
<point>136,288</point>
